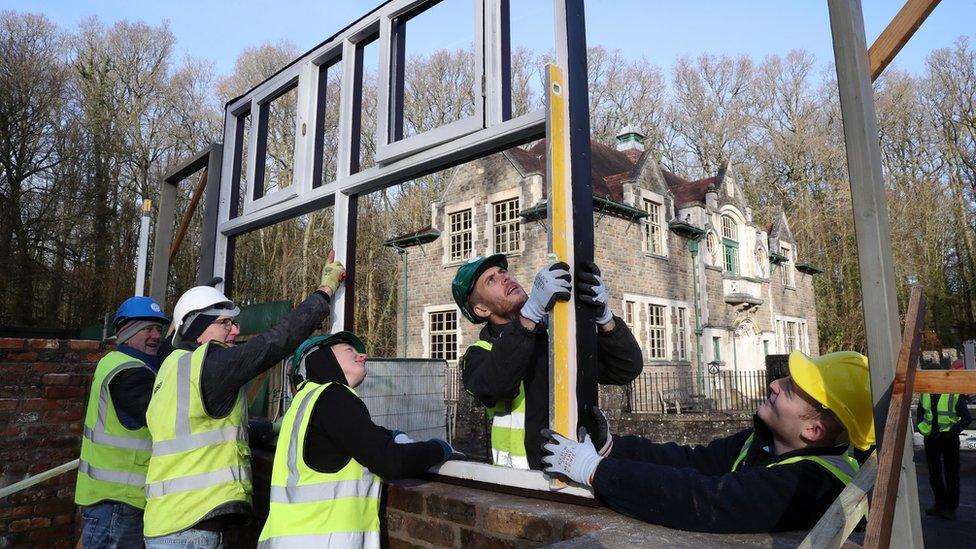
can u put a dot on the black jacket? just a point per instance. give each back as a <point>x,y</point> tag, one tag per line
<point>693,488</point>
<point>341,428</point>
<point>226,370</point>
<point>522,356</point>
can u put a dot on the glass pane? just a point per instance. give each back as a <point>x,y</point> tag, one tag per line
<point>532,43</point>
<point>367,111</point>
<point>438,81</point>
<point>279,154</point>
<point>328,120</point>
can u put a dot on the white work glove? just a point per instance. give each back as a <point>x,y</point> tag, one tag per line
<point>400,437</point>
<point>592,291</point>
<point>602,439</point>
<point>552,283</point>
<point>576,461</point>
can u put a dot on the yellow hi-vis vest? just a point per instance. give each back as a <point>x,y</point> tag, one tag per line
<point>842,466</point>
<point>114,458</point>
<point>507,427</point>
<point>947,413</point>
<point>198,462</point>
<point>313,509</point>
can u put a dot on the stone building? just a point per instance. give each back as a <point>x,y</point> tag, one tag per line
<point>706,290</point>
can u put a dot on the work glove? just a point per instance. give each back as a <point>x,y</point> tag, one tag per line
<point>552,283</point>
<point>400,437</point>
<point>333,273</point>
<point>592,291</point>
<point>449,452</point>
<point>602,439</point>
<point>576,461</point>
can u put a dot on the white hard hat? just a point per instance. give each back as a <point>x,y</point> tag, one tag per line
<point>200,300</point>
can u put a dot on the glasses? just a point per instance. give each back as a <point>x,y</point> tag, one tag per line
<point>228,323</point>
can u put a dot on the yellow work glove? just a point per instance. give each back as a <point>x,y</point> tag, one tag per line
<point>333,273</point>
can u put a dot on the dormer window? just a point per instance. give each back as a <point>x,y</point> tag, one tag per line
<point>787,266</point>
<point>654,227</point>
<point>730,243</point>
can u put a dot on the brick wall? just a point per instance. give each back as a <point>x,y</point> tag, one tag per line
<point>43,388</point>
<point>433,514</point>
<point>683,428</point>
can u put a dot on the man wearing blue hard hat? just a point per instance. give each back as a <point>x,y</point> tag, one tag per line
<point>116,445</point>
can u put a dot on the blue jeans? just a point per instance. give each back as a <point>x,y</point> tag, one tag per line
<point>202,539</point>
<point>111,524</point>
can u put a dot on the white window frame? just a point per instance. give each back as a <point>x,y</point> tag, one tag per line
<point>449,242</point>
<point>644,198</point>
<point>802,333</point>
<point>426,331</point>
<point>514,222</point>
<point>637,308</point>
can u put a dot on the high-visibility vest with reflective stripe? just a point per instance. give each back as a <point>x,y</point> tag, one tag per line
<point>842,466</point>
<point>507,427</point>
<point>198,462</point>
<point>947,413</point>
<point>313,509</point>
<point>114,458</point>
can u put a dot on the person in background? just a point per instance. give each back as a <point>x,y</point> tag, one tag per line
<point>115,446</point>
<point>198,485</point>
<point>331,458</point>
<point>940,420</point>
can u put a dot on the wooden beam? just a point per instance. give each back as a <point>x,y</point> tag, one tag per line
<point>187,215</point>
<point>946,381</point>
<point>901,28</point>
<point>895,430</point>
<point>840,519</point>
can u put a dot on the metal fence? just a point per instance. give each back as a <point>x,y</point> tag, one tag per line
<point>681,392</point>
<point>408,395</point>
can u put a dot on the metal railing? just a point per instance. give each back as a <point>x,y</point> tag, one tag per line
<point>662,392</point>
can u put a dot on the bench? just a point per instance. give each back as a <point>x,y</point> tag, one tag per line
<point>678,400</point>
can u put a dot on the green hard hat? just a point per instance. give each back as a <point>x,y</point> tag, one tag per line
<point>467,275</point>
<point>325,341</point>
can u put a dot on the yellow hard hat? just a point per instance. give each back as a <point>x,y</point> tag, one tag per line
<point>841,382</point>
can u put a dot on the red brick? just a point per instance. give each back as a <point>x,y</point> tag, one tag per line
<point>20,525</point>
<point>43,344</point>
<point>404,499</point>
<point>451,509</point>
<point>83,345</point>
<point>27,417</point>
<point>40,522</point>
<point>9,432</point>
<point>42,368</point>
<point>431,531</point>
<point>391,521</point>
<point>7,513</point>
<point>8,404</point>
<point>62,416</point>
<point>95,357</point>
<point>12,343</point>
<point>42,404</point>
<point>64,518</point>
<point>29,356</point>
<point>397,543</point>
<point>63,392</point>
<point>54,508</point>
<point>519,524</point>
<point>56,379</point>
<point>477,540</point>
<point>51,534</point>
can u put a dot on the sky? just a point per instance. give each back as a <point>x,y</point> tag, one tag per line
<point>661,32</point>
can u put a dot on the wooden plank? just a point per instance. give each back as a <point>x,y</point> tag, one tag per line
<point>840,519</point>
<point>871,227</point>
<point>188,215</point>
<point>901,28</point>
<point>946,381</point>
<point>892,451</point>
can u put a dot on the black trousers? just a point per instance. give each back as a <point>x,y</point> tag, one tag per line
<point>942,456</point>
